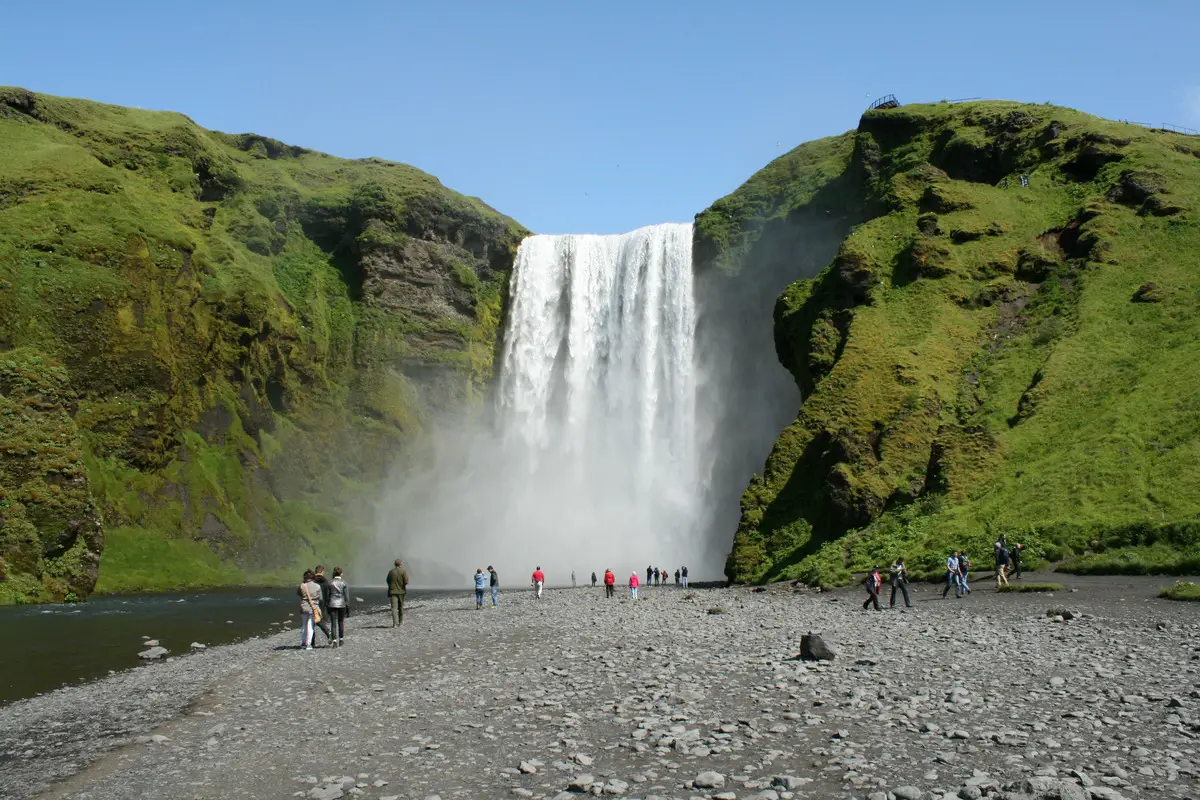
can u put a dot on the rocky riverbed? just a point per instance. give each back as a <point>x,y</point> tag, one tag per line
<point>683,694</point>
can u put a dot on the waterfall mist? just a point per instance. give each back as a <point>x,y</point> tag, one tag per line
<point>589,458</point>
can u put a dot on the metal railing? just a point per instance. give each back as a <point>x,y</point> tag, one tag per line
<point>887,101</point>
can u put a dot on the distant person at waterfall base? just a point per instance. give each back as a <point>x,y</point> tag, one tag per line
<point>337,600</point>
<point>593,580</point>
<point>610,580</point>
<point>676,577</point>
<point>899,581</point>
<point>537,579</point>
<point>397,583</point>
<point>494,582</point>
<point>310,608</point>
<point>952,576</point>
<point>1003,559</point>
<point>573,586</point>
<point>320,579</point>
<point>633,585</point>
<point>649,575</point>
<point>683,576</point>
<point>655,581</point>
<point>964,567</point>
<point>480,585</point>
<point>872,582</point>
<point>1015,555</point>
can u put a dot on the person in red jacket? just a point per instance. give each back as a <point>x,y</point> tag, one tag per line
<point>610,580</point>
<point>633,584</point>
<point>538,579</point>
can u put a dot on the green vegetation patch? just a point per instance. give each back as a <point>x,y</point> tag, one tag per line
<point>1031,587</point>
<point>1182,590</point>
<point>242,336</point>
<point>984,357</point>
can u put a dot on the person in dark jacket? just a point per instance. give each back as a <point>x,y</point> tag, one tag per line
<point>320,579</point>
<point>872,582</point>
<point>649,575</point>
<point>1015,555</point>
<point>899,575</point>
<point>1002,561</point>
<point>964,567</point>
<point>494,582</point>
<point>337,600</point>
<point>683,576</point>
<point>593,580</point>
<point>397,583</point>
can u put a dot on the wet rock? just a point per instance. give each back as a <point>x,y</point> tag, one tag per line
<point>813,647</point>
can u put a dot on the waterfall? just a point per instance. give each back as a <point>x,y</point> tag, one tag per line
<point>597,394</point>
<point>590,460</point>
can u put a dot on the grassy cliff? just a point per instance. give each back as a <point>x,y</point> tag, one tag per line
<point>979,357</point>
<point>212,345</point>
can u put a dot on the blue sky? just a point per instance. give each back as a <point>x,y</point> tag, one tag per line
<point>596,117</point>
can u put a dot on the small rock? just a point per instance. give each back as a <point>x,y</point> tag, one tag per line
<point>908,793</point>
<point>709,780</point>
<point>153,652</point>
<point>814,648</point>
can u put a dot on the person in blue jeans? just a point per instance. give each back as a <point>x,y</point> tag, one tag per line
<point>964,566</point>
<point>480,584</point>
<point>494,580</point>
<point>952,580</point>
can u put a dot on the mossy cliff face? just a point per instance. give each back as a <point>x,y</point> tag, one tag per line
<point>228,340</point>
<point>980,357</point>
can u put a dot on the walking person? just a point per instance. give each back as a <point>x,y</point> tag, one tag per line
<point>683,576</point>
<point>1015,555</point>
<point>633,584</point>
<point>337,595</point>
<point>964,566</point>
<point>1002,561</point>
<point>494,582</point>
<point>952,576</point>
<point>573,586</point>
<point>480,584</point>
<point>537,579</point>
<point>610,580</point>
<point>397,583</point>
<point>323,625</point>
<point>593,580</point>
<point>310,608</point>
<point>899,575</point>
<point>872,582</point>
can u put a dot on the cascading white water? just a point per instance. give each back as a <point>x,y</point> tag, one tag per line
<point>590,461</point>
<point>598,388</point>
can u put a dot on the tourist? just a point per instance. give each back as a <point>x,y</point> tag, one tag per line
<point>593,580</point>
<point>633,584</point>
<point>964,566</point>
<point>310,608</point>
<point>494,582</point>
<point>872,582</point>
<point>649,575</point>
<point>1015,556</point>
<point>610,580</point>
<point>573,586</point>
<point>899,575</point>
<point>952,576</point>
<point>1002,562</point>
<point>397,583</point>
<point>683,576</point>
<point>676,577</point>
<point>655,581</point>
<point>480,584</point>
<point>337,600</point>
<point>320,579</point>
<point>537,579</point>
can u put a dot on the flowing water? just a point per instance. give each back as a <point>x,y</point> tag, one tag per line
<point>590,459</point>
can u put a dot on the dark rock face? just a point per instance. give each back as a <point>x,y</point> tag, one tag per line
<point>814,648</point>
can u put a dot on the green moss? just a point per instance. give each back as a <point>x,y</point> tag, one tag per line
<point>1031,587</point>
<point>233,323</point>
<point>971,361</point>
<point>147,560</point>
<point>1182,590</point>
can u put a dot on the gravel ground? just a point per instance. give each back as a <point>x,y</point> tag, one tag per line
<point>682,694</point>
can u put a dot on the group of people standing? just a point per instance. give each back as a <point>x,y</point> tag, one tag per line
<point>958,567</point>
<point>324,606</point>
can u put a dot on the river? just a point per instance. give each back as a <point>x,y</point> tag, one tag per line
<point>51,646</point>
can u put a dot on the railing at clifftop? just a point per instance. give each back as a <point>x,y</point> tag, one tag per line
<point>887,101</point>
